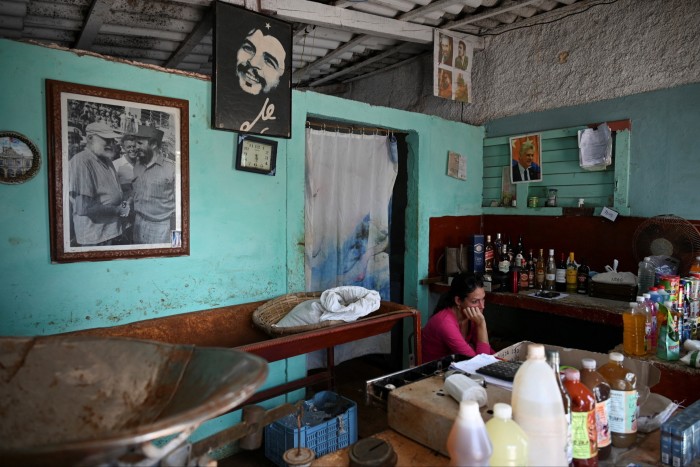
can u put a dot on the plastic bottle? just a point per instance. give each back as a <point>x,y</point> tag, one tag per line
<point>584,431</point>
<point>695,267</point>
<point>645,275</point>
<point>537,408</point>
<point>553,361</point>
<point>651,322</point>
<point>623,400</point>
<point>663,294</point>
<point>468,442</point>
<point>601,391</point>
<point>509,441</point>
<point>633,321</point>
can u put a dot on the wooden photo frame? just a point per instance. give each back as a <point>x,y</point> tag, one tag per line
<point>252,72</point>
<point>526,158</point>
<point>118,173</point>
<point>19,158</point>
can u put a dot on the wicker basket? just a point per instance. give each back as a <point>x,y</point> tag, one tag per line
<point>273,311</point>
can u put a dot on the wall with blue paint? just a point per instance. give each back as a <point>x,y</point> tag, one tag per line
<point>664,151</point>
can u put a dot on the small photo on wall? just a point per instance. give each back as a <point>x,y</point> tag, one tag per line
<point>526,159</point>
<point>453,56</point>
<point>252,72</point>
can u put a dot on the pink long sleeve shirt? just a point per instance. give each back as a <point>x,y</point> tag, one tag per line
<point>442,337</point>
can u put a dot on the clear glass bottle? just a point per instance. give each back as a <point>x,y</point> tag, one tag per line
<point>553,361</point>
<point>550,272</point>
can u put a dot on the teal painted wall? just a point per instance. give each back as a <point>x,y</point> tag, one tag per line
<point>247,230</point>
<point>664,151</point>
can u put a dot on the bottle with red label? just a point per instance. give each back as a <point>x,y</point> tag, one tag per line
<point>583,425</point>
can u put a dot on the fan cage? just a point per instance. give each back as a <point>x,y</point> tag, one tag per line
<point>667,235</point>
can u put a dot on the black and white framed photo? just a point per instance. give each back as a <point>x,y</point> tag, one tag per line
<point>19,158</point>
<point>118,173</point>
<point>252,72</point>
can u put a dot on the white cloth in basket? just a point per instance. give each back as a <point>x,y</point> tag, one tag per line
<point>347,303</point>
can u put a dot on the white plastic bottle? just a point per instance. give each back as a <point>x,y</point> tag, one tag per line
<point>645,275</point>
<point>468,443</point>
<point>538,409</point>
<point>508,439</point>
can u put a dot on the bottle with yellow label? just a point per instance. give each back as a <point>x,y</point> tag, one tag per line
<point>571,274</point>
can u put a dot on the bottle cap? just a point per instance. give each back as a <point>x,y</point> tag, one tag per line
<point>588,363</point>
<point>646,296</point>
<point>640,298</point>
<point>502,410</point>
<point>551,252</point>
<point>616,356</point>
<point>535,351</point>
<point>572,374</point>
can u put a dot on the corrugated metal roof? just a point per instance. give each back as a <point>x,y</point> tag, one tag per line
<point>332,41</point>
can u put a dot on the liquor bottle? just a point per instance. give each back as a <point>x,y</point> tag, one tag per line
<point>531,271</point>
<point>550,272</point>
<point>497,248</point>
<point>488,256</point>
<point>560,278</point>
<point>571,273</point>
<point>511,254</point>
<point>520,248</point>
<point>500,273</point>
<point>540,269</point>
<point>582,278</point>
<point>553,360</point>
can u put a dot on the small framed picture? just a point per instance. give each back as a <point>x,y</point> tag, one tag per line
<point>526,160</point>
<point>19,158</point>
<point>456,166</point>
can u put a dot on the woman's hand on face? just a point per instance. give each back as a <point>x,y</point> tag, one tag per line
<point>474,314</point>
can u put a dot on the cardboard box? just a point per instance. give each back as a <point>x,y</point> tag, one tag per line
<point>647,374</point>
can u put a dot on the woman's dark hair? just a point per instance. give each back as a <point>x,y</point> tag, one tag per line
<point>462,285</point>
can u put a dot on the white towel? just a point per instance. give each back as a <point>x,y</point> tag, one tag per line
<point>347,303</point>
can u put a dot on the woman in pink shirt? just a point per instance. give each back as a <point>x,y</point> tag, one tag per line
<point>457,325</point>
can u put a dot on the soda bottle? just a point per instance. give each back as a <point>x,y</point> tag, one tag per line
<point>583,424</point>
<point>633,321</point>
<point>509,441</point>
<point>623,400</point>
<point>601,391</point>
<point>468,442</point>
<point>537,408</point>
<point>650,324</point>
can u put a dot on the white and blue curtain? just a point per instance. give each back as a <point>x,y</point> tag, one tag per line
<point>349,182</point>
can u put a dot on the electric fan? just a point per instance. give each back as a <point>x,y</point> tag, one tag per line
<point>667,235</point>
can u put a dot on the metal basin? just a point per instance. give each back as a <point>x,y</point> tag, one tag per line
<point>85,400</point>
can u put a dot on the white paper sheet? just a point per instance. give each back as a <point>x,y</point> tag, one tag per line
<point>470,366</point>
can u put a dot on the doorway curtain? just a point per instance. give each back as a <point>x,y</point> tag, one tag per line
<point>349,183</point>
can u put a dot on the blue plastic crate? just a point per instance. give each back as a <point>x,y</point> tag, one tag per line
<point>336,430</point>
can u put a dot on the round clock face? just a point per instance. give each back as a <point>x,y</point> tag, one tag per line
<point>256,155</point>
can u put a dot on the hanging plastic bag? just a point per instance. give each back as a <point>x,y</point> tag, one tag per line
<point>595,147</point>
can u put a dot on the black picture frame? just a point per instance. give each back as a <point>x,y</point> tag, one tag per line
<point>19,158</point>
<point>251,79</point>
<point>71,111</point>
<point>243,140</point>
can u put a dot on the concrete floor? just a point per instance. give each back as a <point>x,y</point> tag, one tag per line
<point>350,383</point>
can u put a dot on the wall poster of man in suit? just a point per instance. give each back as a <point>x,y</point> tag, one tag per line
<point>252,72</point>
<point>526,159</point>
<point>452,69</point>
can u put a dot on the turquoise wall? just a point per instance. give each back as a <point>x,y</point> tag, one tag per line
<point>247,230</point>
<point>664,151</point>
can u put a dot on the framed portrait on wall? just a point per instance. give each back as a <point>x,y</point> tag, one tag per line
<point>526,158</point>
<point>118,173</point>
<point>252,72</point>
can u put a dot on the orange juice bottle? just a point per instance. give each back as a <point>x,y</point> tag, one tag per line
<point>633,337</point>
